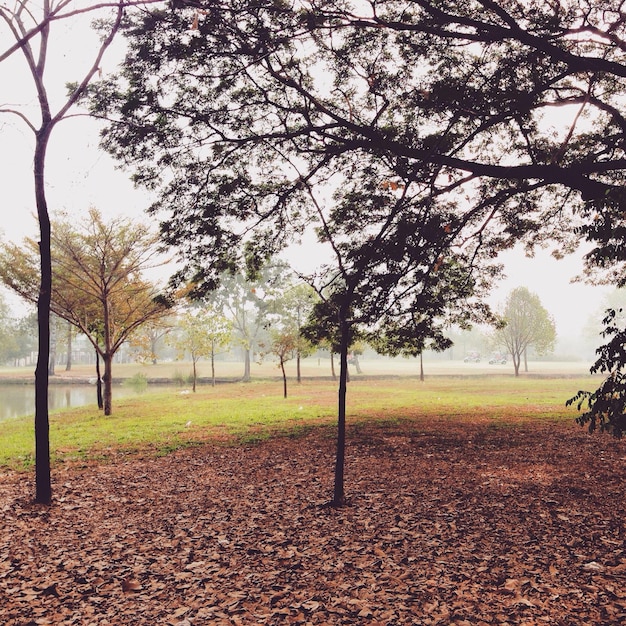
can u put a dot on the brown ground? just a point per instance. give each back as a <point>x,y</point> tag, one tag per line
<point>449,524</point>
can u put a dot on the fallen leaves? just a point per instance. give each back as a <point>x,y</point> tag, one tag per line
<point>449,524</point>
<point>131,585</point>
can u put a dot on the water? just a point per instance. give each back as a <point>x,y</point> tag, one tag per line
<point>19,400</point>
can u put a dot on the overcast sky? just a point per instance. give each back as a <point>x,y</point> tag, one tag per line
<point>79,175</point>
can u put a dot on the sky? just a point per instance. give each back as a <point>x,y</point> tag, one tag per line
<point>571,303</point>
<point>80,175</point>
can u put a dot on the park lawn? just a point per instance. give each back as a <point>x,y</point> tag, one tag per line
<point>156,424</point>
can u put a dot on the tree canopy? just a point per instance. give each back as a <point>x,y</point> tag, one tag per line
<point>513,107</point>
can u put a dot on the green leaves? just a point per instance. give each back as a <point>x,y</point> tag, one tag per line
<point>606,406</point>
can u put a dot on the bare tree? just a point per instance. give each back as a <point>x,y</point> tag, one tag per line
<point>29,26</point>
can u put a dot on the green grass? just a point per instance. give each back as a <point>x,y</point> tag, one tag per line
<point>451,394</point>
<point>160,423</point>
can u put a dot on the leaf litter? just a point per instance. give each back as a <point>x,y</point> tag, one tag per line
<point>448,522</point>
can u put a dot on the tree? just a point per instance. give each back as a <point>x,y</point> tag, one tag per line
<point>606,406</point>
<point>145,342</point>
<point>29,26</point>
<point>25,337</point>
<point>282,344</point>
<point>393,285</point>
<point>201,334</point>
<point>526,323</point>
<point>9,346</point>
<point>57,333</point>
<point>430,118</point>
<point>69,337</point>
<point>594,327</point>
<point>244,301</point>
<point>98,285</point>
<point>413,247</point>
<point>288,312</point>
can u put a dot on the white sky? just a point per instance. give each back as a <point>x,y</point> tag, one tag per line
<point>80,175</point>
<point>571,304</point>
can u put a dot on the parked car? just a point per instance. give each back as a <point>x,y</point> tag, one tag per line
<point>472,357</point>
<point>497,358</point>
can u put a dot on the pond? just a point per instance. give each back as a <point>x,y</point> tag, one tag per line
<point>17,400</point>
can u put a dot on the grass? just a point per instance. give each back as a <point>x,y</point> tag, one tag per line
<point>158,423</point>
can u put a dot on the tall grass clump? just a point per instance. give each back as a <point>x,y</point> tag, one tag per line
<point>137,382</point>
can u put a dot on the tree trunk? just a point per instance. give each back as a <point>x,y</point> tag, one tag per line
<point>213,367</point>
<point>68,362</point>
<point>357,365</point>
<point>298,371</point>
<point>421,367</point>
<point>153,347</point>
<point>332,365</point>
<point>99,383</point>
<point>195,374</point>
<point>516,362</point>
<point>107,356</point>
<point>108,383</point>
<point>246,366</point>
<point>282,367</point>
<point>43,484</point>
<point>339,498</point>
<point>525,360</point>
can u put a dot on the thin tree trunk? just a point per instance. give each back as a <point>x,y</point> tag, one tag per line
<point>282,367</point>
<point>195,374</point>
<point>153,347</point>
<point>516,363</point>
<point>339,498</point>
<point>246,366</point>
<point>99,383</point>
<point>213,367</point>
<point>421,367</point>
<point>298,371</point>
<point>108,383</point>
<point>525,360</point>
<point>68,362</point>
<point>332,365</point>
<point>43,484</point>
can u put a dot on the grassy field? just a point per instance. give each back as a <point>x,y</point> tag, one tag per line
<point>311,368</point>
<point>156,423</point>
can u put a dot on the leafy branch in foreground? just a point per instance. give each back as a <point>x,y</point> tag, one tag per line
<point>607,405</point>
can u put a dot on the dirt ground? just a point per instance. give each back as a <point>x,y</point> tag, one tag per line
<point>448,523</point>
